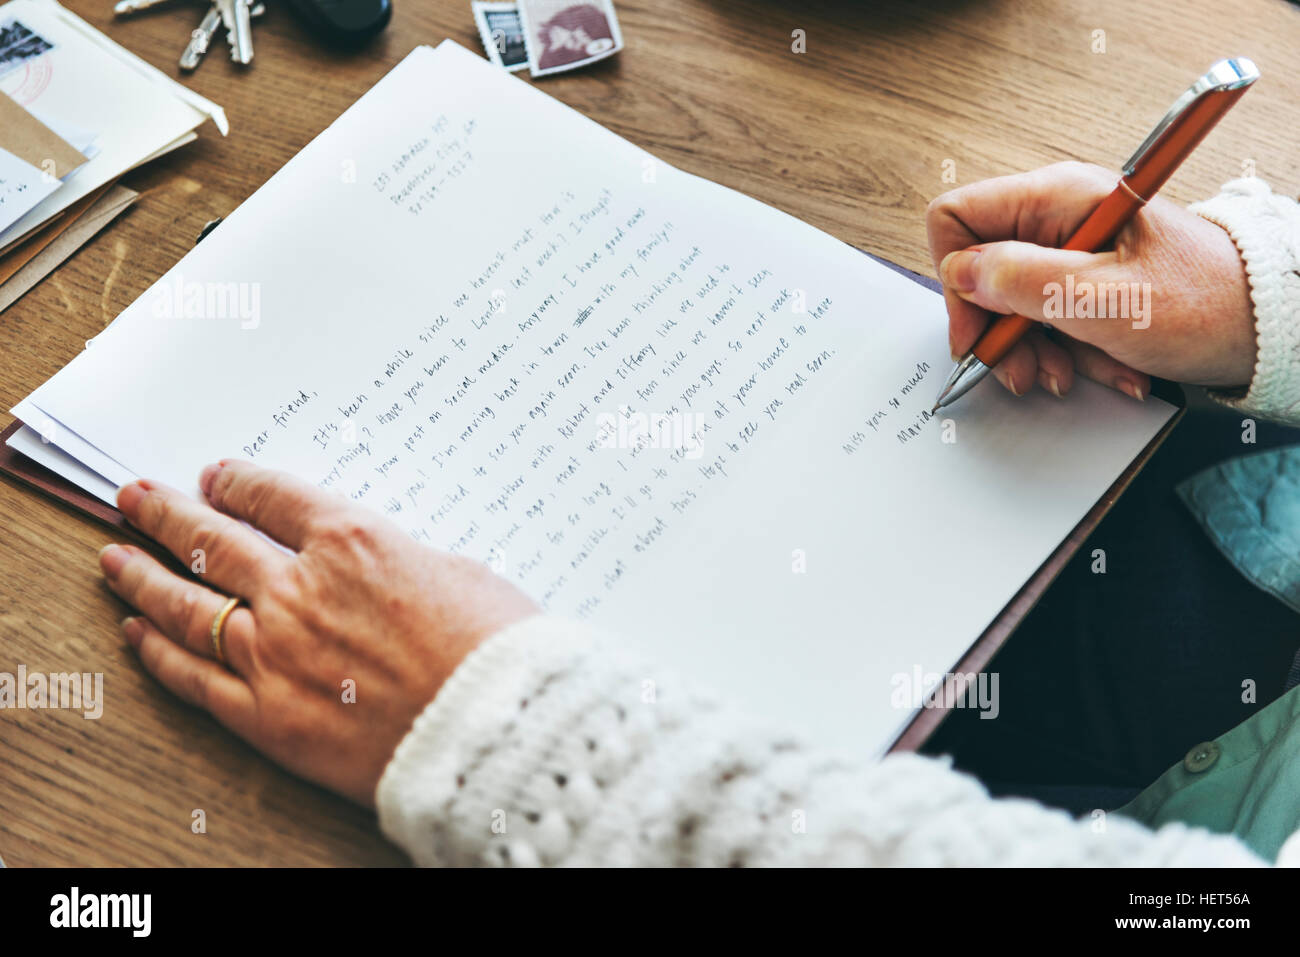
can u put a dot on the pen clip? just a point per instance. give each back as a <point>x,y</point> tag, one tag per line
<point>1231,74</point>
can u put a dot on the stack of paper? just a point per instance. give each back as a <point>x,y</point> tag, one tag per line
<point>648,400</point>
<point>76,112</point>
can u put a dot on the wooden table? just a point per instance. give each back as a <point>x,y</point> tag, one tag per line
<point>853,135</point>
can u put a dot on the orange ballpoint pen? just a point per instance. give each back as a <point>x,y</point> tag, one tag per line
<point>1188,121</point>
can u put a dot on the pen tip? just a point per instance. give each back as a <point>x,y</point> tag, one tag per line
<point>935,409</point>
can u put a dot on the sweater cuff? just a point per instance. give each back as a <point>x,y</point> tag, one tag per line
<point>1266,230</point>
<point>460,735</point>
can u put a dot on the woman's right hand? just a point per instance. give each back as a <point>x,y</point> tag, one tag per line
<point>996,246</point>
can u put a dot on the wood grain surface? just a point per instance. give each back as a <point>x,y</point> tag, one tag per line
<point>851,135</point>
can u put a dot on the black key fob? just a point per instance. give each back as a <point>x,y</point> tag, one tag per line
<point>345,21</point>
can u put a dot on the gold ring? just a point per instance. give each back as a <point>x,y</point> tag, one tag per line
<point>218,624</point>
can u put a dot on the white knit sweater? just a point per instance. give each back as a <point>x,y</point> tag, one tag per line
<point>542,748</point>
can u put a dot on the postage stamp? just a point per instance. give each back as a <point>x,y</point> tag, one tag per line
<point>18,44</point>
<point>567,34</point>
<point>502,33</point>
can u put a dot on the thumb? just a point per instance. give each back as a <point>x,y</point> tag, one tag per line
<point>1030,280</point>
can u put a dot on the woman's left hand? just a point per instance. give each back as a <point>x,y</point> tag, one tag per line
<point>340,643</point>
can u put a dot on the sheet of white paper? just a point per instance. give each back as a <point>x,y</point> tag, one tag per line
<point>58,434</point>
<point>82,80</point>
<point>454,306</point>
<point>29,443</point>
<point>22,186</point>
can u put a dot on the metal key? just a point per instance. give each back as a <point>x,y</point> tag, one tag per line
<point>200,39</point>
<point>239,32</point>
<point>201,36</point>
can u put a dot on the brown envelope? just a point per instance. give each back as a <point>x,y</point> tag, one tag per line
<point>17,256</point>
<point>33,142</point>
<point>27,265</point>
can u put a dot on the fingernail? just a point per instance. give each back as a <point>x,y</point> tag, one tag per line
<point>958,270</point>
<point>112,559</point>
<point>1011,384</point>
<point>206,478</point>
<point>128,498</point>
<point>1129,388</point>
<point>1054,386</point>
<point>133,630</point>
